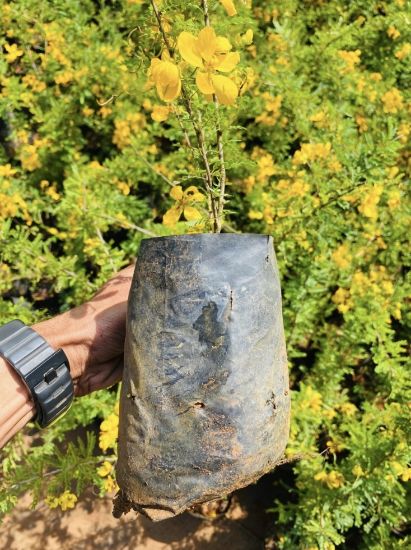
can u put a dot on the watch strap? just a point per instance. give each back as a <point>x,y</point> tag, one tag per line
<point>45,371</point>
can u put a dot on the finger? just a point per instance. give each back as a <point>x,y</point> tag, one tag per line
<point>107,375</point>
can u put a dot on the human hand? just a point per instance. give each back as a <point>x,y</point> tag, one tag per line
<point>92,335</point>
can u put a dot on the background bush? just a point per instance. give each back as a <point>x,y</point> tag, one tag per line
<point>318,157</point>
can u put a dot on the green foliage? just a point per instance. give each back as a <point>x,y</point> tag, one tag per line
<point>317,155</point>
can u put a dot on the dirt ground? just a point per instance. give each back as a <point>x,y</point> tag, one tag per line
<point>91,526</point>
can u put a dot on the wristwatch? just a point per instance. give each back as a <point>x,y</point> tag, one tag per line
<point>45,372</point>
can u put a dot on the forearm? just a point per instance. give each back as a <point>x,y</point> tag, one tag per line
<point>17,407</point>
<point>92,337</point>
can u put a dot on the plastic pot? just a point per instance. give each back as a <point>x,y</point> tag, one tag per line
<point>204,406</point>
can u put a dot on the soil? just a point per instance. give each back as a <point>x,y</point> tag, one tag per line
<point>91,526</point>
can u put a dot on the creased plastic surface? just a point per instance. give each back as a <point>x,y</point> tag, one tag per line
<point>204,406</point>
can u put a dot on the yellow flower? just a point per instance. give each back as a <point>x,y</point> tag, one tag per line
<point>351,59</point>
<point>342,298</point>
<point>392,101</point>
<point>52,502</point>
<point>319,119</point>
<point>6,171</point>
<point>394,199</point>
<point>368,206</point>
<point>104,112</point>
<point>87,111</point>
<point>248,184</point>
<point>29,158</point>
<point>333,480</point>
<point>229,7</point>
<point>67,500</point>
<point>64,77</point>
<point>392,171</point>
<point>52,193</point>
<point>406,474</point>
<point>95,165</point>
<point>280,43</point>
<point>105,469</point>
<point>255,215</point>
<point>109,432</point>
<point>341,256</point>
<point>404,131</point>
<point>311,152</point>
<point>266,165</point>
<point>12,205</point>
<point>35,84</point>
<point>361,123</point>
<point>376,77</point>
<point>210,53</point>
<point>361,84</point>
<point>247,37</point>
<point>165,76</point>
<point>401,471</point>
<point>329,413</point>
<point>335,165</point>
<point>160,113</point>
<point>272,109</point>
<point>110,484</point>
<point>13,52</point>
<point>348,408</point>
<point>393,33</point>
<point>123,187</point>
<point>298,188</point>
<point>357,471</point>
<point>360,282</point>
<point>125,128</point>
<point>335,446</point>
<point>184,200</point>
<point>312,400</point>
<point>282,60</point>
<point>403,51</point>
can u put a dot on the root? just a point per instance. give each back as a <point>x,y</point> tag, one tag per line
<point>121,505</point>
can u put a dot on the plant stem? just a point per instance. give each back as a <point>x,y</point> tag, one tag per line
<point>160,26</point>
<point>199,132</point>
<point>223,175</point>
<point>220,143</point>
<point>213,209</point>
<point>129,225</point>
<point>186,136</point>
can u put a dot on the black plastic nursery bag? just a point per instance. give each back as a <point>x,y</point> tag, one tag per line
<point>204,407</point>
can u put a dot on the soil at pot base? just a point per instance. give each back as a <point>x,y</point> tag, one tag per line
<point>204,407</point>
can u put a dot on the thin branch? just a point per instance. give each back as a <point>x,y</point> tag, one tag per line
<point>220,143</point>
<point>223,174</point>
<point>59,470</point>
<point>209,177</point>
<point>160,26</point>
<point>111,99</point>
<point>165,178</point>
<point>183,128</point>
<point>129,225</point>
<point>300,456</point>
<point>229,228</point>
<point>206,14</point>
<point>107,251</point>
<point>314,212</point>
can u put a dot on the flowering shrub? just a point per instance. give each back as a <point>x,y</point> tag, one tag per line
<point>133,119</point>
